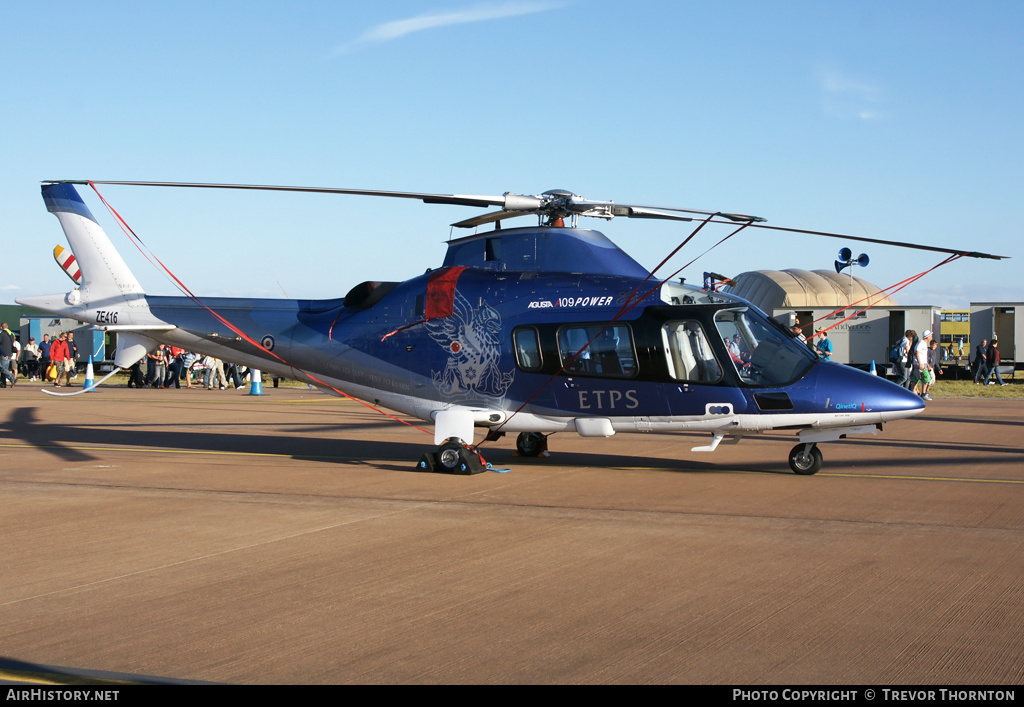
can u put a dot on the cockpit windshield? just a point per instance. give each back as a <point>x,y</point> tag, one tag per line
<point>763,354</point>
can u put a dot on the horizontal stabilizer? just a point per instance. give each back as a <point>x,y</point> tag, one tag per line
<point>67,262</point>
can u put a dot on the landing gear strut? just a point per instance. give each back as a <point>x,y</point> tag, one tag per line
<point>452,457</point>
<point>531,444</point>
<point>805,459</point>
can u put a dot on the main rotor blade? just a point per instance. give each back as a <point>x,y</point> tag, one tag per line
<point>596,209</point>
<point>456,199</point>
<point>737,218</point>
<point>518,204</point>
<point>491,218</point>
<point>647,212</point>
<point>899,244</point>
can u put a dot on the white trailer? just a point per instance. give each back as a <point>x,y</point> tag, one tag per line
<point>867,336</point>
<point>998,319</point>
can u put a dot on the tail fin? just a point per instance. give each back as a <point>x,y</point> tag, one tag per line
<point>109,296</point>
<point>106,279</point>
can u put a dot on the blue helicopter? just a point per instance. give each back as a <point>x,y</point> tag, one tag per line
<point>534,330</point>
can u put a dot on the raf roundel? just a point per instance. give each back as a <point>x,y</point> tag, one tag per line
<point>267,342</point>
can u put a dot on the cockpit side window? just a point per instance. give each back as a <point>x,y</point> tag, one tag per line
<point>762,354</point>
<point>527,345</point>
<point>610,353</point>
<point>689,354</point>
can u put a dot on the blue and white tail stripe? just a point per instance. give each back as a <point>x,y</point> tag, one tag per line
<point>60,197</point>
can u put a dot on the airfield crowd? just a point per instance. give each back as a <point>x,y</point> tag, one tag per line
<point>168,366</point>
<point>57,359</point>
<point>57,362</point>
<point>918,360</point>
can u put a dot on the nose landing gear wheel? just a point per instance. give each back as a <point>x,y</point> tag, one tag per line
<point>805,459</point>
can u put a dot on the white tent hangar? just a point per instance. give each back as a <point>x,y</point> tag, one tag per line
<point>791,289</point>
<point>820,299</point>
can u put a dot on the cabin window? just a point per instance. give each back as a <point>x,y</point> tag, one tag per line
<point>603,350</point>
<point>527,345</point>
<point>689,353</point>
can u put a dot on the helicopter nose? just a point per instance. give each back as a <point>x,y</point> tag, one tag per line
<point>895,402</point>
<point>841,388</point>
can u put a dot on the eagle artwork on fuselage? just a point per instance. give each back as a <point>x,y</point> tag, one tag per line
<point>472,340</point>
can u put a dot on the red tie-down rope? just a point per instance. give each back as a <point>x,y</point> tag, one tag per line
<point>631,303</point>
<point>895,288</point>
<point>134,238</point>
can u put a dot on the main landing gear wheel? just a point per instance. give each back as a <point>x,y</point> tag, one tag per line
<point>805,459</point>
<point>452,457</point>
<point>531,444</point>
<point>448,456</point>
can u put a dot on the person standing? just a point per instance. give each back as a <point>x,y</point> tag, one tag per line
<point>151,358</point>
<point>30,355</point>
<point>174,366</point>
<point>934,367</point>
<point>921,373</point>
<point>824,346</point>
<point>6,351</point>
<point>980,365</point>
<point>188,359</point>
<point>160,376</point>
<point>901,362</point>
<point>71,366</point>
<point>59,356</point>
<point>44,355</point>
<point>15,356</point>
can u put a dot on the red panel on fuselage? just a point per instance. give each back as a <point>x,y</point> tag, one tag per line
<point>441,292</point>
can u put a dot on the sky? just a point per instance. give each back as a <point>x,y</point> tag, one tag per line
<point>878,119</point>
